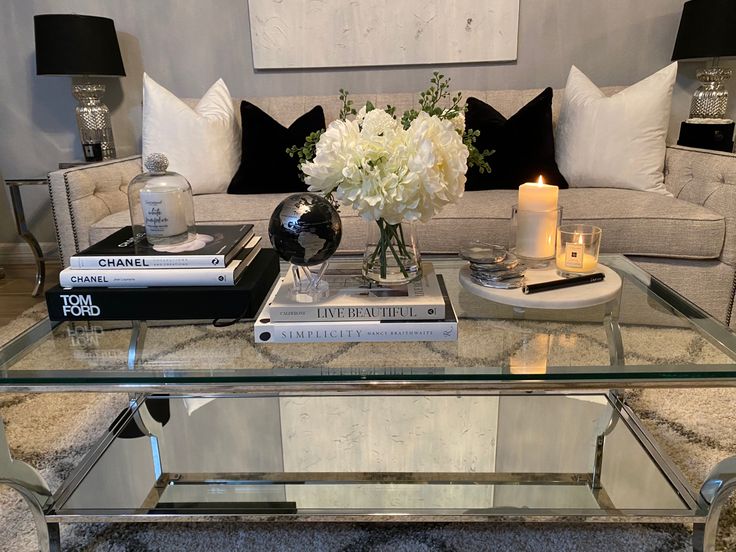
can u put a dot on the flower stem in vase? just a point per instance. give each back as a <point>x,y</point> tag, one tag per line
<point>390,258</point>
<point>383,240</point>
<point>392,236</point>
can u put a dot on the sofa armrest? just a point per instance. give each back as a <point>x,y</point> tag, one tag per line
<point>706,178</point>
<point>81,196</point>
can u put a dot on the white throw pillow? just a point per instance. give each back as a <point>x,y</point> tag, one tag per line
<point>617,141</point>
<point>202,144</point>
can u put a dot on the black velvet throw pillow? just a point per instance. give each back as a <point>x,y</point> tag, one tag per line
<point>524,145</point>
<point>265,167</point>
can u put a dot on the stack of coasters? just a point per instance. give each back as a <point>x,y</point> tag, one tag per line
<point>493,266</point>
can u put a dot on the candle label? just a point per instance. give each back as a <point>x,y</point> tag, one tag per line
<point>163,214</point>
<point>574,253</point>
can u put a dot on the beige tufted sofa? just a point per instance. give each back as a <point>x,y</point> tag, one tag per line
<point>688,241</point>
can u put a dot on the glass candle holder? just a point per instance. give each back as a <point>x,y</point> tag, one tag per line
<point>161,205</point>
<point>533,235</point>
<point>578,246</point>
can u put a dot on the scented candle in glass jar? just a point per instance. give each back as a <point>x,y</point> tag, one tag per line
<point>161,205</point>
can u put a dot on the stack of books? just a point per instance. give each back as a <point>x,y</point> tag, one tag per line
<point>358,311</point>
<point>125,278</point>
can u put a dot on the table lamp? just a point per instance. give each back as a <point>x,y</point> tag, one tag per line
<point>82,45</point>
<point>707,31</point>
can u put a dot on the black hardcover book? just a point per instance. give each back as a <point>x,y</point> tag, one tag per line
<point>122,250</point>
<point>243,300</point>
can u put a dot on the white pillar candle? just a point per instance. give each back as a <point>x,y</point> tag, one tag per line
<point>537,220</point>
<point>164,213</point>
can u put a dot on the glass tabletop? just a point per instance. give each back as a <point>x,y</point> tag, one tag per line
<point>650,336</point>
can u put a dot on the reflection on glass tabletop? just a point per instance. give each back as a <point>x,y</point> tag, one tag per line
<point>663,337</point>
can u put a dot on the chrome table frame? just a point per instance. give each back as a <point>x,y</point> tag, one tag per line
<point>44,506</point>
<point>703,507</point>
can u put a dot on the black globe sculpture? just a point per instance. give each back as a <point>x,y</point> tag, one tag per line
<point>305,229</point>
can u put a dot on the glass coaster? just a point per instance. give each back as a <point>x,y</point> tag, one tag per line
<point>511,283</point>
<point>483,253</point>
<point>511,262</point>
<point>497,274</point>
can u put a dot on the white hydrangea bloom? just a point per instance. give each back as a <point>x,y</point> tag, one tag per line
<point>338,148</point>
<point>440,161</point>
<point>458,121</point>
<point>377,122</point>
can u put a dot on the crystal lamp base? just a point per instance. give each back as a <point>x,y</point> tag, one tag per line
<point>711,98</point>
<point>93,119</point>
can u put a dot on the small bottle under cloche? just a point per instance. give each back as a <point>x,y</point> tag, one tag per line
<point>161,205</point>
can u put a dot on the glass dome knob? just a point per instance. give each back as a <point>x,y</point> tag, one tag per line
<point>156,163</point>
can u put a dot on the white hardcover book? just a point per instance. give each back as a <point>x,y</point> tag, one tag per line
<point>336,331</point>
<point>352,297</point>
<point>226,276</point>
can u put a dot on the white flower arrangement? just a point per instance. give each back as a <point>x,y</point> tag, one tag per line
<point>385,172</point>
<point>393,171</point>
<point>398,171</point>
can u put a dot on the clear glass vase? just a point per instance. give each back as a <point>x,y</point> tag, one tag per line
<point>392,253</point>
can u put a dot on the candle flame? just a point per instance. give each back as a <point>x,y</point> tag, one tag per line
<point>540,181</point>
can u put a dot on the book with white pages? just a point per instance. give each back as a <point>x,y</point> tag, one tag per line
<point>266,330</point>
<point>116,277</point>
<point>214,247</point>
<point>353,297</point>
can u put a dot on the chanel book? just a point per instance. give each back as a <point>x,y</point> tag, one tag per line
<point>243,300</point>
<point>352,297</point>
<point>266,330</point>
<point>122,250</point>
<point>119,277</point>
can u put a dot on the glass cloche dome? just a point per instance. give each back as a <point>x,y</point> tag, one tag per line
<point>161,205</point>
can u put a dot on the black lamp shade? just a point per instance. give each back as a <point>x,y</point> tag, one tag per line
<point>707,30</point>
<point>77,45</point>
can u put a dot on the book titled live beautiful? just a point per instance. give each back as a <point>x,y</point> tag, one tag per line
<point>134,278</point>
<point>266,330</point>
<point>122,250</point>
<point>352,297</point>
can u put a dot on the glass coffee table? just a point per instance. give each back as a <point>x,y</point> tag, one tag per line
<point>523,419</point>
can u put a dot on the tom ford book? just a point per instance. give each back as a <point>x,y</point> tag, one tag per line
<point>352,297</point>
<point>122,250</point>
<point>266,330</point>
<point>118,277</point>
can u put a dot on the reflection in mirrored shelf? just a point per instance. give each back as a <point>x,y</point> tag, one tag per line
<point>463,454</point>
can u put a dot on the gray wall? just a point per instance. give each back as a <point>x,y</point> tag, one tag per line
<point>187,44</point>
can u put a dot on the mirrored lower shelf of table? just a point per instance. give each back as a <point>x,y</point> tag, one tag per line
<point>527,456</point>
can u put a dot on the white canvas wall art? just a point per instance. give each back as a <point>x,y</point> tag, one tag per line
<point>350,33</point>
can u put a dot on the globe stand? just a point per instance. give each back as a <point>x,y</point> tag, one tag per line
<point>309,286</point>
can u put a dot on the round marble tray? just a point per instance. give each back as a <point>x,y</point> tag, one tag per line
<point>576,297</point>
